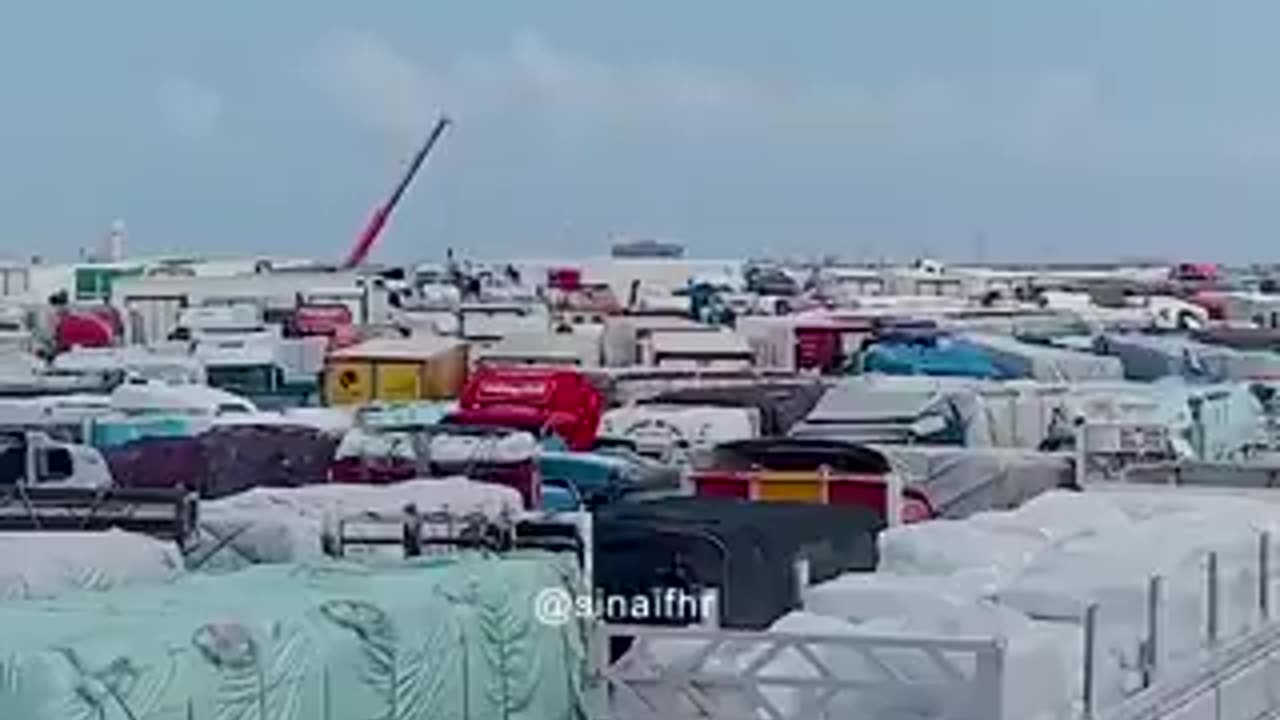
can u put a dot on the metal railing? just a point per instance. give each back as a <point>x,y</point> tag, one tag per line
<point>1175,676</point>
<point>828,670</point>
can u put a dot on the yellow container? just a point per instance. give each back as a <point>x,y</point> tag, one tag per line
<point>444,375</point>
<point>396,370</point>
<point>349,383</point>
<point>398,382</point>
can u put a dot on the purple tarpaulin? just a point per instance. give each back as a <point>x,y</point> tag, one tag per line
<point>227,459</point>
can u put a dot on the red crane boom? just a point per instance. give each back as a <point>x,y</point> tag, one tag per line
<point>364,243</point>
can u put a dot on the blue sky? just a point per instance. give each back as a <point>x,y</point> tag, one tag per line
<point>1090,128</point>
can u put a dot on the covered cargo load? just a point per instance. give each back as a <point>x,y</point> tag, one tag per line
<point>882,409</point>
<point>227,459</point>
<point>40,565</point>
<point>781,404</point>
<point>579,348</point>
<point>678,433</point>
<point>1018,359</point>
<point>1150,357</point>
<point>571,480</point>
<point>498,456</point>
<point>698,350</point>
<point>1240,338</point>
<point>960,482</point>
<point>454,637</point>
<point>934,356</point>
<point>287,525</point>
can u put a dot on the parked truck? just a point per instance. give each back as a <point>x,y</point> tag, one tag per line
<point>545,401</point>
<point>34,459</point>
<point>52,486</point>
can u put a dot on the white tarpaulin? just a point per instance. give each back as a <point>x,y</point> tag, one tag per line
<point>36,565</point>
<point>277,525</point>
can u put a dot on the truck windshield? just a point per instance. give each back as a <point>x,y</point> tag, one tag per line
<point>13,459</point>
<point>243,379</point>
<point>230,330</point>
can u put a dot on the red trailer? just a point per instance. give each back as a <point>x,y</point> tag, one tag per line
<point>539,400</point>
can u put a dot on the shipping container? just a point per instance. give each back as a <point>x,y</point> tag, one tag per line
<point>396,370</point>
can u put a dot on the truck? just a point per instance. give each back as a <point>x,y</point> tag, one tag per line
<point>34,459</point>
<point>274,373</point>
<point>545,401</point>
<point>52,486</point>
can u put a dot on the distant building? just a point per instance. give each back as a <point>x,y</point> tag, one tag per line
<point>648,249</point>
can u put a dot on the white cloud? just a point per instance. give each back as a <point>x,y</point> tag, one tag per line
<point>394,92</point>
<point>1050,115</point>
<point>383,88</point>
<point>188,109</point>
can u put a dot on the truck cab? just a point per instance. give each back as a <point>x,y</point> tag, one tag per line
<point>34,459</point>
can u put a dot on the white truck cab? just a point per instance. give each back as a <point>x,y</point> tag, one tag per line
<point>34,459</point>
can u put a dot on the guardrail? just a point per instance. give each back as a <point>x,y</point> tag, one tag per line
<point>638,687</point>
<point>1223,678</point>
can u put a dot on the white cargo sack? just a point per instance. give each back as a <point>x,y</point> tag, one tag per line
<point>858,597</point>
<point>944,547</point>
<point>1059,516</point>
<point>1037,679</point>
<point>40,565</point>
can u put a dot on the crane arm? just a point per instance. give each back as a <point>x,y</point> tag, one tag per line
<point>378,221</point>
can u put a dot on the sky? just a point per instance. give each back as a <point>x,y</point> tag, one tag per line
<point>985,129</point>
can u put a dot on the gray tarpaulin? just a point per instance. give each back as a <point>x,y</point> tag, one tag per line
<point>781,405</point>
<point>1043,362</point>
<point>1150,357</point>
<point>963,481</point>
<point>875,408</point>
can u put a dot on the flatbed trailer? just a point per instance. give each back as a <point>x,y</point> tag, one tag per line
<point>167,514</point>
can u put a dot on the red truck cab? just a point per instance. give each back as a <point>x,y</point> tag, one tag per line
<point>1196,272</point>
<point>821,342</point>
<point>538,400</point>
<point>333,321</point>
<point>95,327</point>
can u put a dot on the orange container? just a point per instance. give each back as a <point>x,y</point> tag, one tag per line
<point>810,487</point>
<point>790,487</point>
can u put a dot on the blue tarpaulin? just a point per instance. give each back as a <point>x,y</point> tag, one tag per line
<point>939,357</point>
